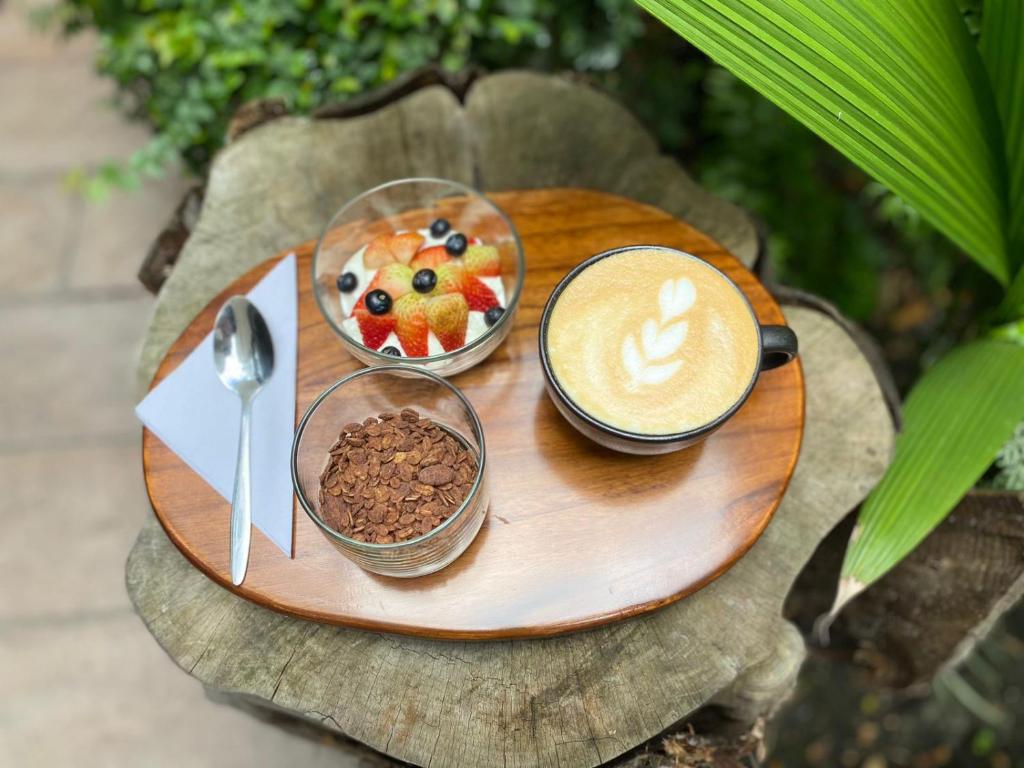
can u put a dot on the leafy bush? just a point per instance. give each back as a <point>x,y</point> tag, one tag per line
<point>185,65</point>
<point>1010,463</point>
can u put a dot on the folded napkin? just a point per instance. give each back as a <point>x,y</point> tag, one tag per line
<point>198,418</point>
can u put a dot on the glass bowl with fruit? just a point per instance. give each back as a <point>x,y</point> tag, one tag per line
<point>423,272</point>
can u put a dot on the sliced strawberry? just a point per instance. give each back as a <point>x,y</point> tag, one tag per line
<point>410,313</point>
<point>385,249</point>
<point>448,316</point>
<point>452,278</point>
<point>482,260</point>
<point>405,246</point>
<point>394,279</point>
<point>375,328</point>
<point>479,297</point>
<point>449,279</point>
<point>430,258</point>
<point>378,252</point>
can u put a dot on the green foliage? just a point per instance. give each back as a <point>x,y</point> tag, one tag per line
<point>185,65</point>
<point>956,419</point>
<point>823,234</point>
<point>901,93</point>
<point>1010,463</point>
<point>1002,50</point>
<point>912,94</point>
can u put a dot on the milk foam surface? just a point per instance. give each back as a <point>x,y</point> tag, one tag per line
<point>653,342</point>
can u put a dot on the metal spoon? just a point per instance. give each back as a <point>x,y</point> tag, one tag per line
<point>244,355</point>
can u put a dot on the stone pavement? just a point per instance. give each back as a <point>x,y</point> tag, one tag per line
<point>83,682</point>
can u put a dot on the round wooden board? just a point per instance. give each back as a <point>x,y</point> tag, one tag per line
<point>576,535</point>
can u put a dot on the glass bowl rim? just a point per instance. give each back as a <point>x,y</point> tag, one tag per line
<point>511,303</point>
<point>372,371</point>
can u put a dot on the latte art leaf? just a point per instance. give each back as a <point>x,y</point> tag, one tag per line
<point>675,297</point>
<point>660,340</point>
<point>659,344</point>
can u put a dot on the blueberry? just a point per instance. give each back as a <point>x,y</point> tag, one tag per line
<point>439,227</point>
<point>456,244</point>
<point>424,281</point>
<point>347,282</point>
<point>393,351</point>
<point>378,302</point>
<point>492,315</point>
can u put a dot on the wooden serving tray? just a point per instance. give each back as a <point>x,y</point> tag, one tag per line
<point>576,535</point>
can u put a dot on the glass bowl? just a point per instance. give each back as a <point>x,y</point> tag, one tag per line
<point>369,392</point>
<point>412,205</point>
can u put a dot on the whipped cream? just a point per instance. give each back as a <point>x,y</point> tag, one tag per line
<point>475,328</point>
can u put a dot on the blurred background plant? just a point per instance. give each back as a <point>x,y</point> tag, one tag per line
<point>185,65</point>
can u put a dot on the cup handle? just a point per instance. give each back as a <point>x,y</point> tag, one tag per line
<point>778,346</point>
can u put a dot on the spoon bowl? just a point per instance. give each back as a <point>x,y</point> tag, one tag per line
<point>243,352</point>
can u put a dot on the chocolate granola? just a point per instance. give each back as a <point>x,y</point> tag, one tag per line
<point>394,477</point>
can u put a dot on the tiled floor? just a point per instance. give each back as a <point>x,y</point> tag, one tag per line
<point>83,682</point>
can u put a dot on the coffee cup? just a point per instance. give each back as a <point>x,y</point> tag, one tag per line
<point>647,349</point>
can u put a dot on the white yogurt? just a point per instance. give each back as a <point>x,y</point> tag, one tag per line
<point>475,328</point>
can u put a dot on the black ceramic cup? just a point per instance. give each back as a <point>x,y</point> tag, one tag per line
<point>777,345</point>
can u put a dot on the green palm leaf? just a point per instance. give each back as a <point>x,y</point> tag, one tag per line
<point>896,85</point>
<point>1002,49</point>
<point>956,419</point>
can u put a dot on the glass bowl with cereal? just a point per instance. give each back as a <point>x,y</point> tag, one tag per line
<point>390,464</point>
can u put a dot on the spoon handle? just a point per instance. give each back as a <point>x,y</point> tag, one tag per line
<point>241,500</point>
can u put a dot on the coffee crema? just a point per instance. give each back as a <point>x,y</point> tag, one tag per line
<point>653,342</point>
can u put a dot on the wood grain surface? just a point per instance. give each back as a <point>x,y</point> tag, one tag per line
<point>576,535</point>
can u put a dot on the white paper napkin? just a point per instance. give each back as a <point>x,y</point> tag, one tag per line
<point>198,418</point>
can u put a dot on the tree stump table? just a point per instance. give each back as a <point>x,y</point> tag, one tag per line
<point>576,700</point>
